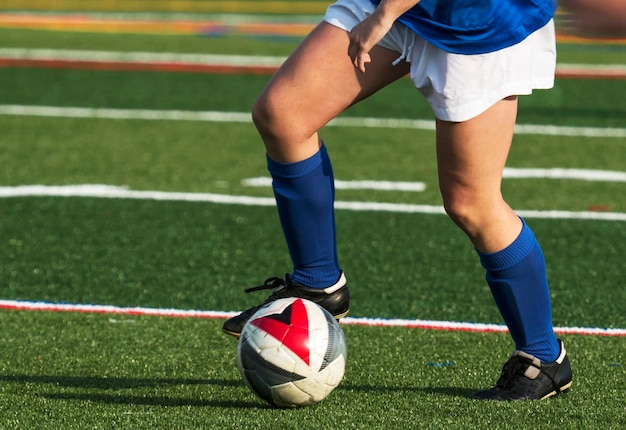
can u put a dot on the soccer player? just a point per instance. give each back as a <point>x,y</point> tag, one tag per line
<point>470,59</point>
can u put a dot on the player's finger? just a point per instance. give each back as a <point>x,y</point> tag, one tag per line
<point>364,58</point>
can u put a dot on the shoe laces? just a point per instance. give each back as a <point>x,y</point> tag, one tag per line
<point>272,284</point>
<point>512,371</point>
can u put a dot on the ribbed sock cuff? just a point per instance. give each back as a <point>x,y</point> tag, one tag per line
<point>297,169</point>
<point>547,348</point>
<point>324,278</point>
<point>512,254</point>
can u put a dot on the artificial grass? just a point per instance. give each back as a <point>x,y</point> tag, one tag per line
<point>216,157</point>
<point>190,44</point>
<point>572,101</point>
<point>75,371</point>
<point>202,256</point>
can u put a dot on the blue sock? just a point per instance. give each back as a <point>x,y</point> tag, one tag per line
<point>305,195</point>
<point>519,284</point>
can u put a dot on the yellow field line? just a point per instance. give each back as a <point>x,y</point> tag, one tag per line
<point>133,24</point>
<point>198,6</point>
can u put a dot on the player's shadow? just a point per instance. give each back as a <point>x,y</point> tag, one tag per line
<point>120,390</point>
<point>450,391</point>
<point>446,391</point>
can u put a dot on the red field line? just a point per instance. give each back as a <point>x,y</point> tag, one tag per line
<point>17,305</point>
<point>183,67</point>
<point>582,73</point>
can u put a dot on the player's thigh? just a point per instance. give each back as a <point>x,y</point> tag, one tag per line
<point>318,81</point>
<point>471,154</point>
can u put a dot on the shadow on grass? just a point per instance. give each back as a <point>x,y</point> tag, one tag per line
<point>114,384</point>
<point>445,391</point>
<point>162,401</point>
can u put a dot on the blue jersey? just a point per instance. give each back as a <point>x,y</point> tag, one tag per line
<point>477,26</point>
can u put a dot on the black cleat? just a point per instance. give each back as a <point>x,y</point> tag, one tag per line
<point>525,377</point>
<point>335,299</point>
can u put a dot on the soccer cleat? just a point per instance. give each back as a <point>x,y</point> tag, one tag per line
<point>335,299</point>
<point>525,377</point>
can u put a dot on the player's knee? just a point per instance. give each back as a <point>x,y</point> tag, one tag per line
<point>460,214</point>
<point>272,120</point>
<point>262,115</point>
<point>463,210</point>
<point>277,124</point>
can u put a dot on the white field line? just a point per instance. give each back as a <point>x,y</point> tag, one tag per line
<point>265,182</point>
<point>125,114</point>
<point>567,67</point>
<point>509,173</point>
<point>231,60</point>
<point>139,57</point>
<point>208,314</point>
<point>108,191</point>
<point>241,117</point>
<point>561,173</point>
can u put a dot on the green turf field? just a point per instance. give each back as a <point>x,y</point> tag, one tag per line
<point>71,370</point>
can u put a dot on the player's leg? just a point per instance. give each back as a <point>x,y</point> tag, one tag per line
<point>471,157</point>
<point>314,85</point>
<point>471,97</point>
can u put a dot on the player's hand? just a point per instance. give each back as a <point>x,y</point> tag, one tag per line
<point>364,36</point>
<point>595,18</point>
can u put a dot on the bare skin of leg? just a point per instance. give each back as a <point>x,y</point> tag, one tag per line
<point>314,85</point>
<point>471,156</point>
<point>319,81</point>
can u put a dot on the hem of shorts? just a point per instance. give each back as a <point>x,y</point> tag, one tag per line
<point>472,110</point>
<point>336,23</point>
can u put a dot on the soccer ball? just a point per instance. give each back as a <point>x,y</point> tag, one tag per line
<point>292,353</point>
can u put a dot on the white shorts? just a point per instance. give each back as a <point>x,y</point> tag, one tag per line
<point>459,87</point>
